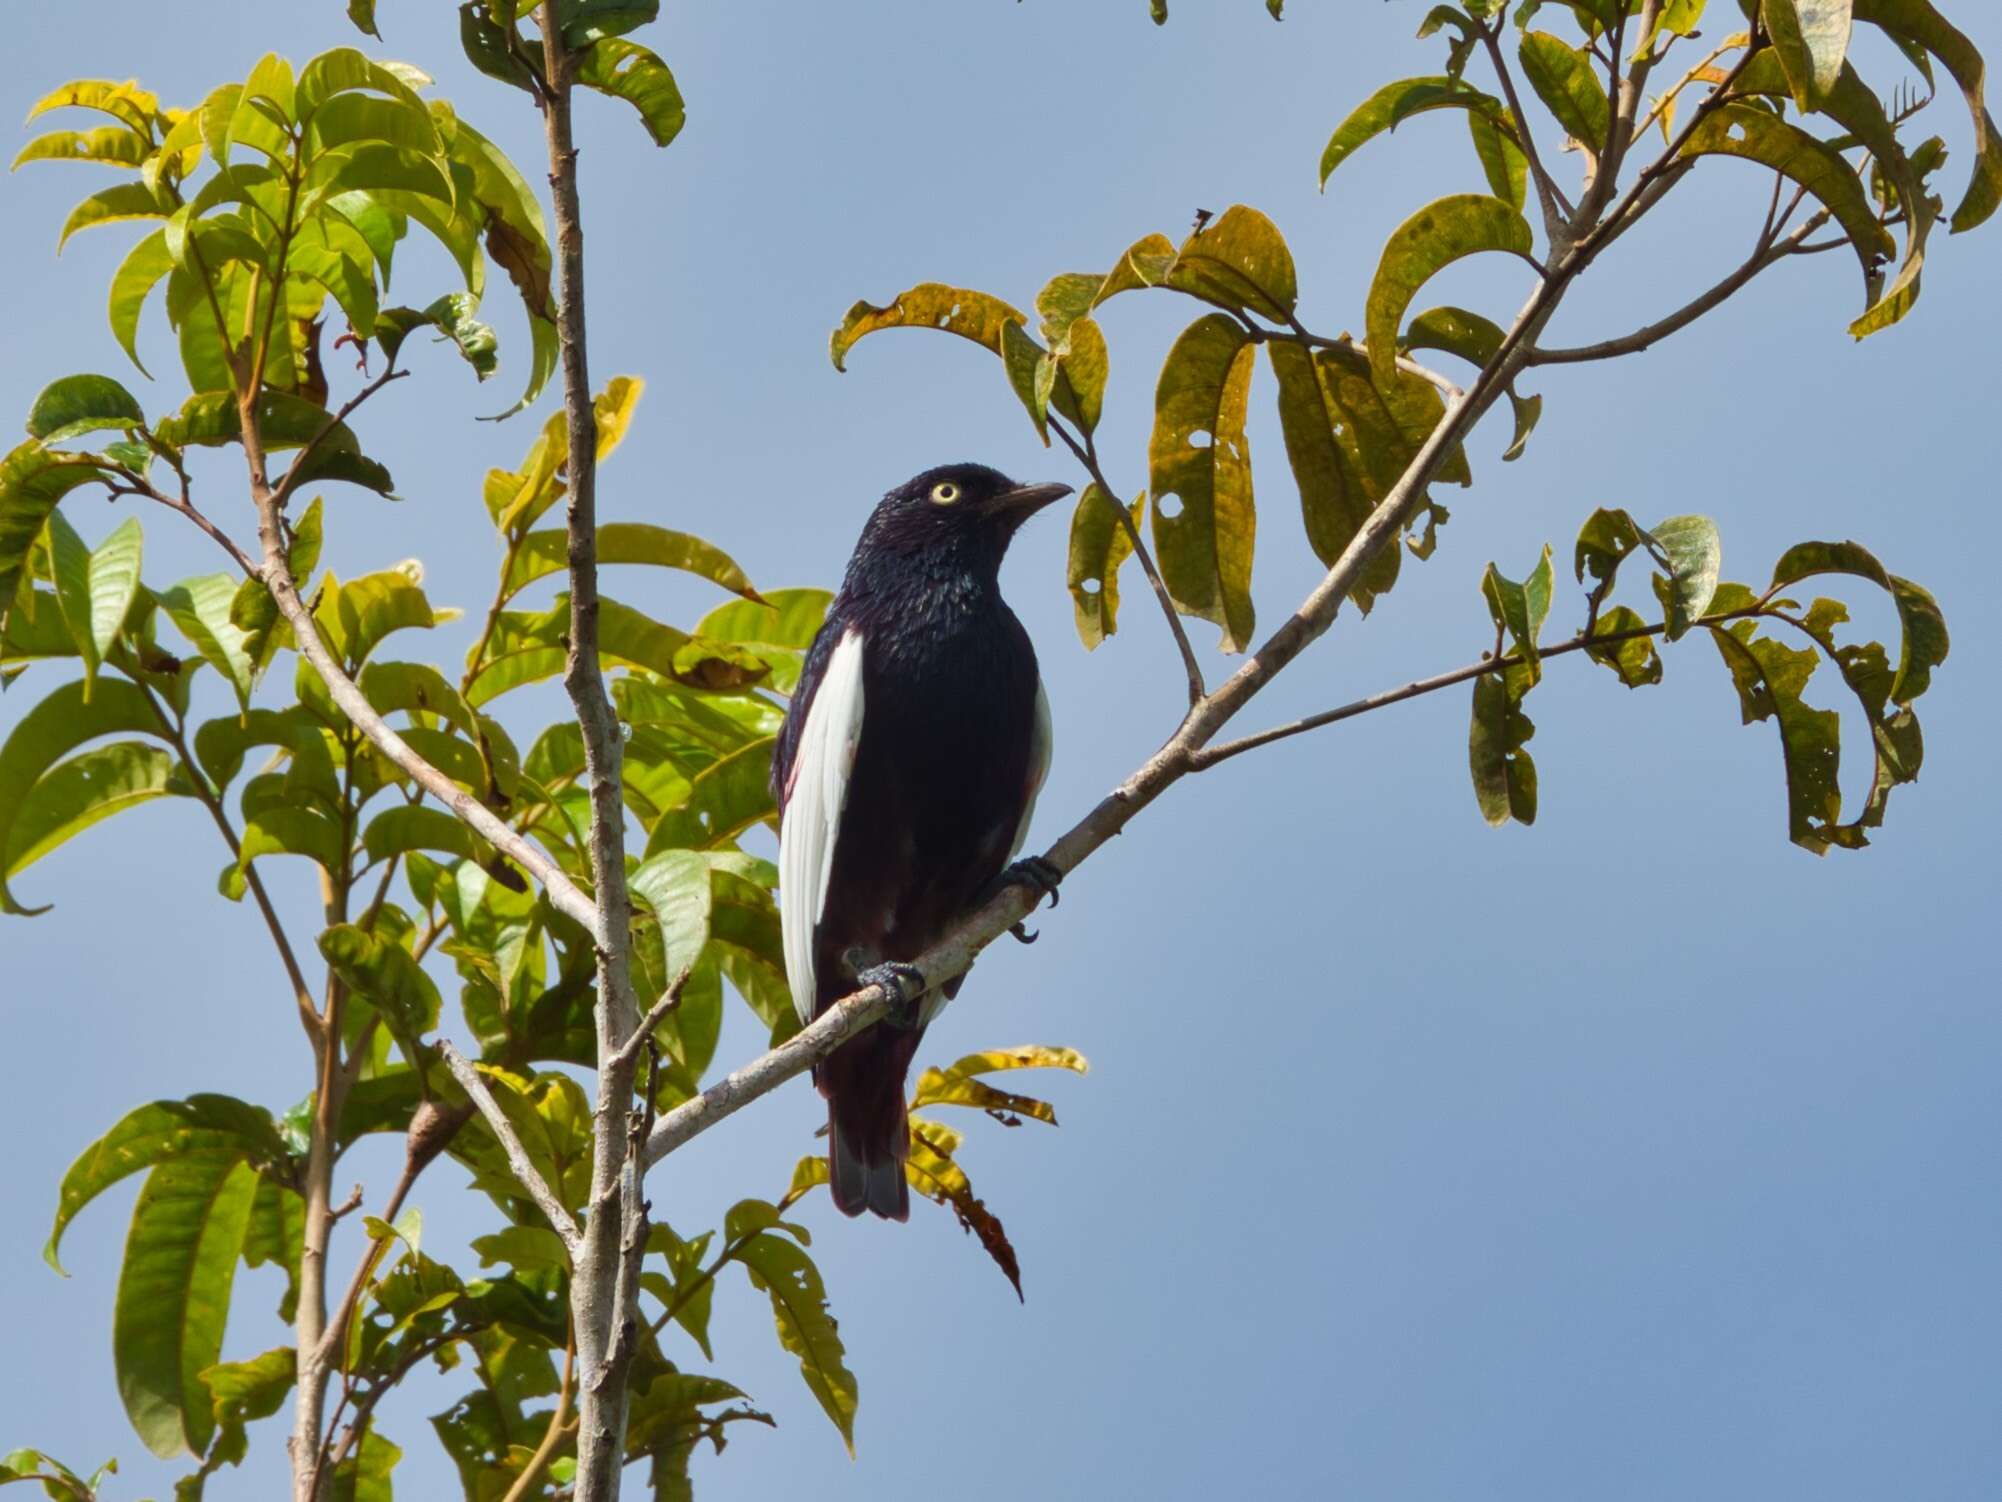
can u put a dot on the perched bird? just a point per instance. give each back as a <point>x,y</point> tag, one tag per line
<point>910,760</point>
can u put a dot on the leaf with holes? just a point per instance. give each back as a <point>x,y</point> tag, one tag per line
<point>1421,247</point>
<point>1099,546</point>
<point>1199,462</point>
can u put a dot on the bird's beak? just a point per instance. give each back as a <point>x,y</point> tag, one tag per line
<point>1025,500</point>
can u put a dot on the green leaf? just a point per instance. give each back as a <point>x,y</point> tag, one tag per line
<point>675,884</point>
<point>211,419</point>
<point>131,284</point>
<point>1199,462</point>
<point>414,826</point>
<point>362,13</point>
<point>216,1129</point>
<point>1565,81</point>
<point>342,69</point>
<point>452,316</point>
<point>33,481</point>
<point>1504,773</point>
<point>63,721</point>
<point>200,610</point>
<point>1633,661</point>
<point>347,119</point>
<point>173,1297</point>
<point>1029,1056</point>
<point>585,21</point>
<point>382,973</point>
<point>94,590</point>
<point>786,619</point>
<point>108,145</point>
<point>724,800</point>
<point>544,553</point>
<point>1502,160</point>
<point>529,648</point>
<point>1916,24</point>
<point>1421,247</point>
<point>1520,610</point>
<point>1693,555</point>
<point>1743,130</point>
<point>81,404</point>
<point>1393,104</point>
<point>1099,547</point>
<point>1238,262</point>
<point>1812,39</point>
<point>75,794</point>
<point>929,305</point>
<point>1770,677</point>
<point>112,205</point>
<point>243,1392</point>
<point>1925,642</point>
<point>781,1268</point>
<point>625,70</point>
<point>126,101</point>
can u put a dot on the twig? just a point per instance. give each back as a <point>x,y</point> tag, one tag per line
<point>517,1156</point>
<point>1087,455</point>
<point>1556,220</point>
<point>1209,756</point>
<point>669,1000</point>
<point>137,484</point>
<point>1681,318</point>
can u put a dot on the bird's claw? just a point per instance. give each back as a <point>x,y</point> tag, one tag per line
<point>1021,934</point>
<point>905,985</point>
<point>1039,875</point>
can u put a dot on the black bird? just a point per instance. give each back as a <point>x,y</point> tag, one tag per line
<point>909,764</point>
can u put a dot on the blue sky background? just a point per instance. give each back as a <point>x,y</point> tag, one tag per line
<point>1635,1155</point>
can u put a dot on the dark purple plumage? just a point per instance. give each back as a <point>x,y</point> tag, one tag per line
<point>948,743</point>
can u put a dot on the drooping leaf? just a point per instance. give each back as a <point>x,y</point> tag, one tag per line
<point>200,610</point>
<point>724,800</point>
<point>780,1267</point>
<point>1771,677</point>
<point>1568,85</point>
<point>81,404</point>
<point>929,305</point>
<point>1633,659</point>
<point>173,1298</point>
<point>1504,773</point>
<point>75,794</point>
<point>1393,104</point>
<point>113,205</point>
<point>544,553</point>
<point>382,973</point>
<point>1925,641</point>
<point>625,70</point>
<point>1426,243</point>
<point>1917,24</point>
<point>1199,463</point>
<point>33,482</point>
<point>1520,610</point>
<point>1812,39</point>
<point>1693,555</point>
<point>1099,546</point>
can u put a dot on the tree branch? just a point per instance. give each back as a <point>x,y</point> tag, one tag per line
<point>1556,219</point>
<point>517,1156</point>
<point>1209,756</point>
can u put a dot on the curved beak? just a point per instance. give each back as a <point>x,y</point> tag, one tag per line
<point>1025,500</point>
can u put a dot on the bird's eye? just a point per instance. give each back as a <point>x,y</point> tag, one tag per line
<point>944,493</point>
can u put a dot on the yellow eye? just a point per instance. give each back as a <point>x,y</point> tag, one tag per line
<point>944,493</point>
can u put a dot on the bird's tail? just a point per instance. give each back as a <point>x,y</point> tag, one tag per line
<point>868,1132</point>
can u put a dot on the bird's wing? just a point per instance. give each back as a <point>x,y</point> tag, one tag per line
<point>1042,740</point>
<point>817,791</point>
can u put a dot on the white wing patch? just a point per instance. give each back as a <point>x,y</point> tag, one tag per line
<point>1042,741</point>
<point>812,821</point>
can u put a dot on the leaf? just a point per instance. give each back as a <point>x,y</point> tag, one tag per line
<point>931,305</point>
<point>1504,773</point>
<point>675,885</point>
<point>529,648</point>
<point>63,721</point>
<point>1502,160</point>
<point>1424,245</point>
<point>452,316</point>
<point>1029,1056</point>
<point>126,101</point>
<point>108,145</point>
<point>1743,130</point>
<point>1240,260</point>
<point>1919,24</point>
<point>1393,104</point>
<point>931,1170</point>
<point>724,800</point>
<point>75,794</point>
<point>112,205</point>
<point>1633,661</point>
<point>1345,449</point>
<point>213,1128</point>
<point>94,590</point>
<point>1520,610</point>
<point>200,609</point>
<point>1693,555</point>
<point>362,13</point>
<point>1099,547</point>
<point>173,1297</point>
<point>625,70</point>
<point>1199,462</point>
<point>544,553</point>
<point>1771,676</point>
<point>81,404</point>
<point>414,826</point>
<point>1925,642</point>
<point>33,481</point>
<point>137,275</point>
<point>1564,80</point>
<point>781,1268</point>
<point>1812,39</point>
<point>210,419</point>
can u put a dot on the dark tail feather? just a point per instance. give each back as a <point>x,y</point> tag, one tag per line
<point>868,1130</point>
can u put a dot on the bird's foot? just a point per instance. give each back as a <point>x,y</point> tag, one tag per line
<point>905,985</point>
<point>1040,876</point>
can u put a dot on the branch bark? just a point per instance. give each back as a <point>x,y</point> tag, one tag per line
<point>532,1182</point>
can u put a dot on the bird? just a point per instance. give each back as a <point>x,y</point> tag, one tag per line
<point>905,775</point>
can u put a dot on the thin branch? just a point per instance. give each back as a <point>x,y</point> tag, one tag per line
<point>1556,219</point>
<point>295,474</point>
<point>517,1156</point>
<point>1681,318</point>
<point>561,1427</point>
<point>1209,756</point>
<point>669,1000</point>
<point>1087,455</point>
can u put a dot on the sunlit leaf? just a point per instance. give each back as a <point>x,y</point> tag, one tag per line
<point>544,553</point>
<point>781,1268</point>
<point>930,305</point>
<point>75,794</point>
<point>1634,661</point>
<point>1099,546</point>
<point>1916,23</point>
<point>1565,80</point>
<point>1519,610</point>
<point>1426,243</point>
<point>1504,773</point>
<point>628,71</point>
<point>1393,104</point>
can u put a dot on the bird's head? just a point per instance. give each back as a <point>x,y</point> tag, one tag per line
<point>965,512</point>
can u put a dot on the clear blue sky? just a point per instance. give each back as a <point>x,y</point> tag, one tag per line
<point>1635,1155</point>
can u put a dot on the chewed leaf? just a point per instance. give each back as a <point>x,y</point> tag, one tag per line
<point>929,305</point>
<point>1421,247</point>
